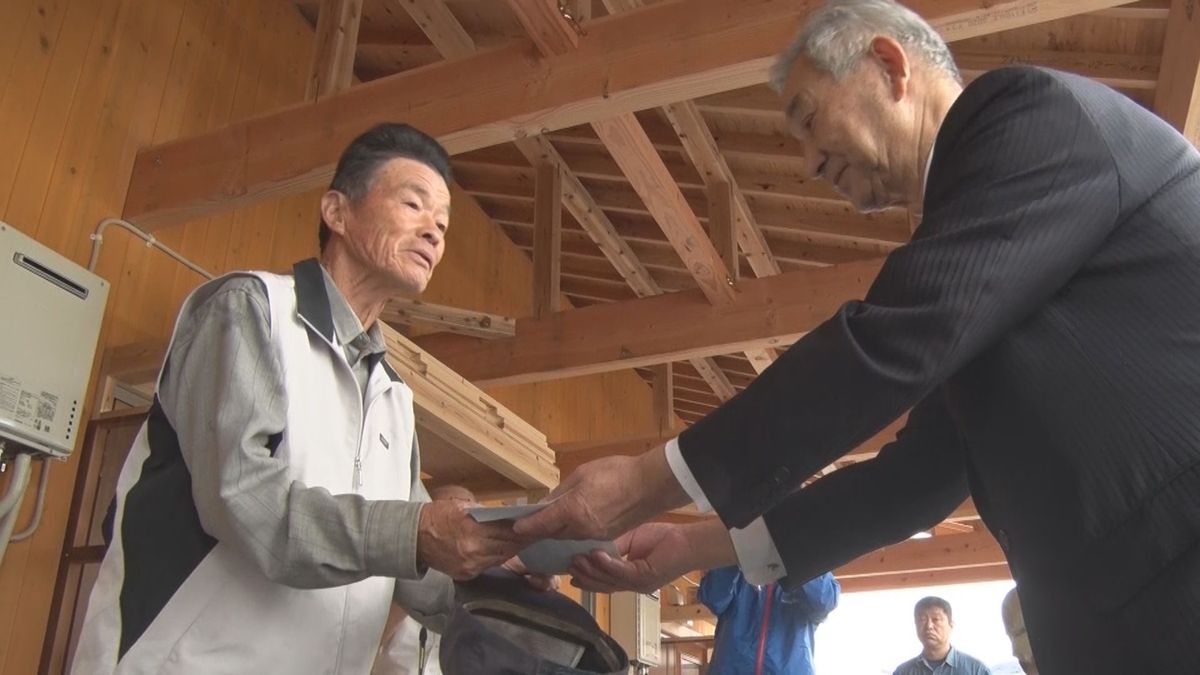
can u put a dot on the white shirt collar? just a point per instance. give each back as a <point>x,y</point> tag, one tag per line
<point>928,165</point>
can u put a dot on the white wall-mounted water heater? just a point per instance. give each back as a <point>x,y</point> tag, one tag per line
<point>50,314</point>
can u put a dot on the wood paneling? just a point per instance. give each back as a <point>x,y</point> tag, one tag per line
<point>84,84</point>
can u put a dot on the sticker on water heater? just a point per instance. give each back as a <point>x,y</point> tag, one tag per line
<point>10,391</point>
<point>36,410</point>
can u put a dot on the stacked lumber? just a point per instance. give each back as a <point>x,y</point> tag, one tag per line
<point>463,415</point>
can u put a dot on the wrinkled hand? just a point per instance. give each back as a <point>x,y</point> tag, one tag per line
<point>655,553</point>
<point>538,581</point>
<point>605,498</point>
<point>451,541</point>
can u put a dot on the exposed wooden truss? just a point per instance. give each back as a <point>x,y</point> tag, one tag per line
<point>651,56</point>
<point>540,153</point>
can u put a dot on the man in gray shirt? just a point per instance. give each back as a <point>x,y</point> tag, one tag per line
<point>935,621</point>
<point>271,508</point>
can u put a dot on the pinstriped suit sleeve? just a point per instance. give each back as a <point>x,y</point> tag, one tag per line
<point>1021,194</point>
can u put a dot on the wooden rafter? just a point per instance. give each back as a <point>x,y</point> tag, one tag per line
<point>631,148</point>
<point>546,26</point>
<point>956,551</point>
<point>652,56</point>
<point>768,312</point>
<point>441,27</point>
<point>716,378</point>
<point>730,218</point>
<point>591,217</point>
<point>1178,97</point>
<point>571,455</point>
<point>965,575</point>
<point>1121,71</point>
<point>701,148</point>
<point>955,558</point>
<point>337,43</point>
<point>540,152</point>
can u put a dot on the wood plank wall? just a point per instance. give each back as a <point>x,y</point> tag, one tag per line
<point>83,84</point>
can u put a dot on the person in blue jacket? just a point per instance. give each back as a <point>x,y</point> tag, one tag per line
<point>765,630</point>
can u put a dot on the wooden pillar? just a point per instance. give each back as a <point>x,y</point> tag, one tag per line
<point>664,397</point>
<point>337,42</point>
<point>547,241</point>
<point>720,226</point>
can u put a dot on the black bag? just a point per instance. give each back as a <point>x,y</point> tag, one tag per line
<point>502,626</point>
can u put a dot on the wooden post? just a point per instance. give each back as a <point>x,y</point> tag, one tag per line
<point>720,226</point>
<point>664,397</point>
<point>547,241</point>
<point>337,42</point>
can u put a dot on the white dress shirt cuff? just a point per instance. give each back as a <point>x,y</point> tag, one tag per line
<point>756,553</point>
<point>684,475</point>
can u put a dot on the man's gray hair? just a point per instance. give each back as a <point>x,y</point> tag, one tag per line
<point>839,34</point>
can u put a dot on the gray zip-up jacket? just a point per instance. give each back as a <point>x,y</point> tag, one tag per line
<point>267,513</point>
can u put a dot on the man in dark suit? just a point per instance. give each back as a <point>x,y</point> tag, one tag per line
<point>1043,326</point>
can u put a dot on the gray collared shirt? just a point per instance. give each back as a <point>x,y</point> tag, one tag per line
<point>363,348</point>
<point>956,663</point>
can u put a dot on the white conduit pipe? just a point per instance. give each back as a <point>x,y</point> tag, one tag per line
<point>98,238</point>
<point>38,505</point>
<point>10,502</point>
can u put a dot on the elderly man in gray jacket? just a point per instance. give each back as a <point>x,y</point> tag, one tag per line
<point>271,507</point>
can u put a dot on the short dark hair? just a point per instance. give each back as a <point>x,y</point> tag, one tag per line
<point>929,602</point>
<point>384,142</point>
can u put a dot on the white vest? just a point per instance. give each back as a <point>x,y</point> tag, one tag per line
<point>227,617</point>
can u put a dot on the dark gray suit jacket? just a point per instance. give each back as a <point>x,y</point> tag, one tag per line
<point>1044,325</point>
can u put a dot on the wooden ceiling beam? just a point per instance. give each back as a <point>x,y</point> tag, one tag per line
<point>570,455</point>
<point>716,378</point>
<point>546,25</point>
<point>579,202</point>
<point>702,149</point>
<point>336,46</point>
<point>449,319</point>
<point>655,55</point>
<point>631,148</point>
<point>966,575</point>
<point>647,331</point>
<point>441,27</point>
<point>1178,97</point>
<point>541,153</point>
<point>1120,71</point>
<point>946,552</point>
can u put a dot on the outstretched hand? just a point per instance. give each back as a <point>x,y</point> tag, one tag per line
<point>652,555</point>
<point>541,582</point>
<point>605,498</point>
<point>451,541</point>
